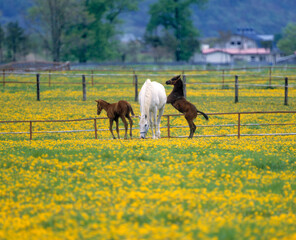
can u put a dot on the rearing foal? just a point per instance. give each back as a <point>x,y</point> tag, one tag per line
<point>117,110</point>
<point>178,101</point>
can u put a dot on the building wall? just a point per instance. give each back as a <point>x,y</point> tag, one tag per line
<point>218,57</point>
<point>224,58</point>
<point>238,42</point>
<point>253,58</point>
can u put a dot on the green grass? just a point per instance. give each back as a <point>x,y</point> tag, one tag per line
<point>71,186</point>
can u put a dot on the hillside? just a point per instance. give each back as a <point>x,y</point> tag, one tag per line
<point>265,16</point>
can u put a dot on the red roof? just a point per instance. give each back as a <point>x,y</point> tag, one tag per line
<point>233,51</point>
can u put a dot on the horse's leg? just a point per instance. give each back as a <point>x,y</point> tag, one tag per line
<point>151,124</point>
<point>125,126</point>
<point>155,123</point>
<point>191,125</point>
<point>131,125</point>
<point>193,128</point>
<point>160,113</point>
<point>110,127</point>
<point>117,128</point>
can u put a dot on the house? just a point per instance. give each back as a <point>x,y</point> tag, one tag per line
<point>231,55</point>
<point>245,38</point>
<point>243,46</point>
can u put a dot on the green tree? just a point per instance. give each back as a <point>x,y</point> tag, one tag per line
<point>16,40</point>
<point>174,17</point>
<point>78,36</point>
<point>288,43</point>
<point>2,39</point>
<point>105,25</point>
<point>51,18</point>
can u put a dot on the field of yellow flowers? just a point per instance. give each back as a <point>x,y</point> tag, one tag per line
<point>72,186</point>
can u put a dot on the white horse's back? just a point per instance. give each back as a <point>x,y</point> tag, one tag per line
<point>159,98</point>
<point>152,97</point>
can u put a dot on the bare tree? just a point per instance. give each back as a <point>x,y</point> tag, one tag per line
<point>50,18</point>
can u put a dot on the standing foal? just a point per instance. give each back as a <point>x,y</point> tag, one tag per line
<point>117,110</point>
<point>177,99</point>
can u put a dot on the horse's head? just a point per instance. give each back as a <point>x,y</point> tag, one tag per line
<point>99,106</point>
<point>174,80</point>
<point>144,125</point>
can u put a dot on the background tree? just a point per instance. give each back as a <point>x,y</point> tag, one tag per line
<point>162,47</point>
<point>105,26</point>
<point>2,38</point>
<point>174,17</point>
<point>15,40</point>
<point>288,42</point>
<point>130,51</point>
<point>50,19</point>
<point>78,36</point>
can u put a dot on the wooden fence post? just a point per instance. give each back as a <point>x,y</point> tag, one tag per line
<point>238,125</point>
<point>83,88</point>
<point>286,91</point>
<point>31,132</point>
<point>236,90</point>
<point>92,78</point>
<point>38,86</point>
<point>96,130</point>
<point>184,86</point>
<point>169,130</point>
<point>136,88</point>
<point>49,78</point>
<point>3,77</point>
<point>269,76</point>
<point>223,71</point>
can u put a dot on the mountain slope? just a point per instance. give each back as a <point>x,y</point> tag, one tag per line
<point>265,16</point>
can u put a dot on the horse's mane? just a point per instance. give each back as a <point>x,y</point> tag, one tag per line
<point>104,101</point>
<point>146,99</point>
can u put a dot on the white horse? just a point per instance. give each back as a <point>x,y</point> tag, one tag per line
<point>152,97</point>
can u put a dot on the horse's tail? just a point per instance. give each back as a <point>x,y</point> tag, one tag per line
<point>131,109</point>
<point>205,115</point>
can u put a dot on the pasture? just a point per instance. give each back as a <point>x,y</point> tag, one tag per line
<point>72,186</point>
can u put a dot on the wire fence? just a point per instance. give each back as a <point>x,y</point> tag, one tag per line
<point>236,82</point>
<point>93,80</point>
<point>97,77</point>
<point>238,126</point>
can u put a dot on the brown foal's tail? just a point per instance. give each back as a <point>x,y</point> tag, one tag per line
<point>205,115</point>
<point>131,109</point>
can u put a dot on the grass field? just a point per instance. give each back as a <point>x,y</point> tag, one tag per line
<point>71,186</point>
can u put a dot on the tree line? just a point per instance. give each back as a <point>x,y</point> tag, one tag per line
<point>89,30</point>
<point>13,42</point>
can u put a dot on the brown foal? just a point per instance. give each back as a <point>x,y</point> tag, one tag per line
<point>121,109</point>
<point>178,101</point>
